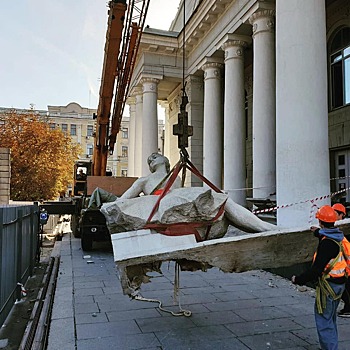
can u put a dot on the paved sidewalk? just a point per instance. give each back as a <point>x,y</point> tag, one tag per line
<point>254,310</point>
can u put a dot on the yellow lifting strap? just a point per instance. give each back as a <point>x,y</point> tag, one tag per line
<point>323,288</point>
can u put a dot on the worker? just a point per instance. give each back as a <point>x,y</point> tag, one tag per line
<point>345,311</point>
<point>329,269</point>
<point>339,210</point>
<point>81,175</point>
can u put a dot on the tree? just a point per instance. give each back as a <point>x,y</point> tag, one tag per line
<point>42,159</point>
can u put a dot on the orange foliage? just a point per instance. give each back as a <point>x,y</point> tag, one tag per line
<point>42,159</point>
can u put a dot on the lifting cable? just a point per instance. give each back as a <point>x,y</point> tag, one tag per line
<point>181,312</point>
<point>183,164</point>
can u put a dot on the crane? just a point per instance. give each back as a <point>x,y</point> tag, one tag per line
<point>124,29</point>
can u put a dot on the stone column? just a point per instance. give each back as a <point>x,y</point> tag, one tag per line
<point>195,93</point>
<point>234,122</point>
<point>167,129</point>
<point>213,123</point>
<point>302,122</point>
<point>264,104</point>
<point>138,132</point>
<point>149,122</point>
<point>132,125</point>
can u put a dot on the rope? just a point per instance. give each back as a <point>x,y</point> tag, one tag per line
<point>323,289</point>
<point>181,312</point>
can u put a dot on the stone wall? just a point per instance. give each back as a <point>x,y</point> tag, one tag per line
<point>5,175</point>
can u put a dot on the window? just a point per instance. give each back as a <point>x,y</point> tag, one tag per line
<point>125,133</point>
<point>52,126</point>
<point>124,172</point>
<point>64,128</point>
<point>89,150</point>
<point>124,151</point>
<point>73,129</point>
<point>90,130</point>
<point>340,68</point>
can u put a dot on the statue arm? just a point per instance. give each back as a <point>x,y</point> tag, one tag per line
<point>244,219</point>
<point>135,190</point>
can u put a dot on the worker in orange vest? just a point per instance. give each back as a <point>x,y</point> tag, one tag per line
<point>329,269</point>
<point>340,210</point>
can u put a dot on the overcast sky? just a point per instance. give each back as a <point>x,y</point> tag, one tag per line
<point>52,51</point>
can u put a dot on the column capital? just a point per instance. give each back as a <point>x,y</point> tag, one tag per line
<point>149,84</point>
<point>263,21</point>
<point>234,49</point>
<point>131,100</point>
<point>137,90</point>
<point>212,70</point>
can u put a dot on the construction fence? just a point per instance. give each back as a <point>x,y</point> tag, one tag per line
<point>19,244</point>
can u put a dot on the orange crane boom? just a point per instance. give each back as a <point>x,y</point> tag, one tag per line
<point>118,66</point>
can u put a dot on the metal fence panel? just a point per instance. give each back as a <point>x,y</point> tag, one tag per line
<point>19,229</point>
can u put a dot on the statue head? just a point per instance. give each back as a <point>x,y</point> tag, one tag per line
<point>156,158</point>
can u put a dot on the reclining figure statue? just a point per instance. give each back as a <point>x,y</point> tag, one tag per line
<point>131,210</point>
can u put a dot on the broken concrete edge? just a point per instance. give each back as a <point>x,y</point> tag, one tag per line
<point>272,249</point>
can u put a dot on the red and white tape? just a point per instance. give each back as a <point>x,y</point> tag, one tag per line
<point>301,202</point>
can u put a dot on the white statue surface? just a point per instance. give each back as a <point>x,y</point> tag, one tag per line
<point>179,205</point>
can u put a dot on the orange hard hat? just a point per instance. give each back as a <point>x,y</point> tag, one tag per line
<point>339,207</point>
<point>326,213</point>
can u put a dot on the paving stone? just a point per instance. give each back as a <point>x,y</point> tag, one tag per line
<point>278,340</point>
<point>83,285</point>
<point>203,344</point>
<point>86,299</point>
<point>86,308</point>
<point>122,342</point>
<point>307,321</point>
<point>184,338</point>
<point>164,323</point>
<point>87,291</point>
<point>299,309</point>
<point>263,326</point>
<point>106,306</point>
<point>61,334</point>
<point>262,313</point>
<point>92,317</point>
<point>215,318</point>
<point>235,295</point>
<point>195,309</point>
<point>132,314</point>
<point>107,329</point>
<point>307,334</point>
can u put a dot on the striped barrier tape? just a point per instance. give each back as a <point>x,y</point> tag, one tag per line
<point>267,210</point>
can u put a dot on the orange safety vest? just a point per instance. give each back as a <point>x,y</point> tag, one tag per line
<point>346,253</point>
<point>337,266</point>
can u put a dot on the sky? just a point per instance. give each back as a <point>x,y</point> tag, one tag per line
<point>52,51</point>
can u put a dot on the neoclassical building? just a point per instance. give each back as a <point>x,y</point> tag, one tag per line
<point>268,84</point>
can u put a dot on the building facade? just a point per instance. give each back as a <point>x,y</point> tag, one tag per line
<point>268,84</point>
<point>79,123</point>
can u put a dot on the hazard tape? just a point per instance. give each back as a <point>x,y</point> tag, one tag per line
<point>301,202</point>
<point>339,178</point>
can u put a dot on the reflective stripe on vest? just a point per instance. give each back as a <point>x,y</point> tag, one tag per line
<point>346,252</point>
<point>338,264</point>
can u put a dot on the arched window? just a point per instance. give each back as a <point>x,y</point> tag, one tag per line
<point>340,68</point>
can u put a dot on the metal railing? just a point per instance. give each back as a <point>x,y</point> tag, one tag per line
<point>19,244</point>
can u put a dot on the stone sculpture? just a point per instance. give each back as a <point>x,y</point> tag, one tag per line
<point>199,204</point>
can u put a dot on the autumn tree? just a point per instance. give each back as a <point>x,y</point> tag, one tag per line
<point>42,159</point>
